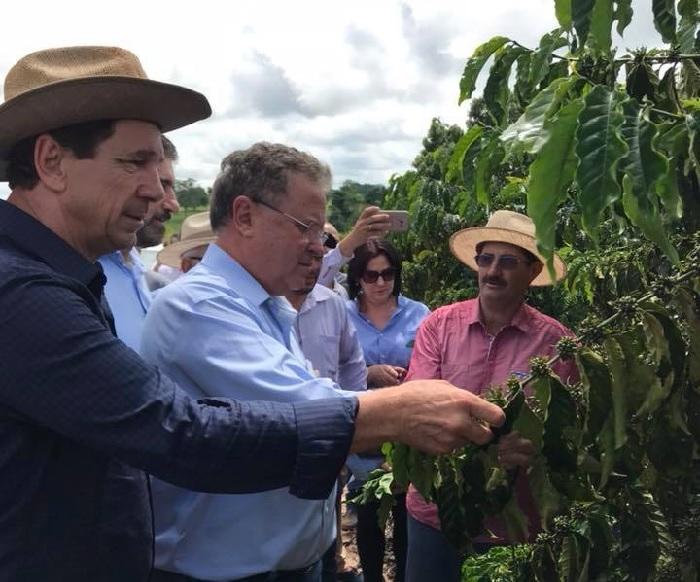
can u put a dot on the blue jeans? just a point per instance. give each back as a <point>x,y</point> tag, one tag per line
<point>430,556</point>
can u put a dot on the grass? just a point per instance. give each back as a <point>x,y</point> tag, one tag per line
<point>173,225</point>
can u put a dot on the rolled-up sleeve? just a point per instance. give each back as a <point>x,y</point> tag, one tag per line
<point>323,448</point>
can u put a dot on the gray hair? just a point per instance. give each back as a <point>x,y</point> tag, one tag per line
<point>261,172</point>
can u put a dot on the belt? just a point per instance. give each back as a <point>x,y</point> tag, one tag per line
<point>276,576</point>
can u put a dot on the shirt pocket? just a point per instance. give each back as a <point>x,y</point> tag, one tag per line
<point>322,351</point>
<point>461,375</point>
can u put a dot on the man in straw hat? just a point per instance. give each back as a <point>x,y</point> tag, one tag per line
<point>195,236</point>
<point>479,343</point>
<point>81,415</point>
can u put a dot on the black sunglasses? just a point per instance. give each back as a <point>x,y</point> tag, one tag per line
<point>505,262</point>
<point>372,276</point>
<point>330,242</point>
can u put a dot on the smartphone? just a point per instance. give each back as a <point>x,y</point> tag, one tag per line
<point>399,220</point>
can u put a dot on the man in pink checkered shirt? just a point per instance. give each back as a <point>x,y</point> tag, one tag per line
<point>476,344</point>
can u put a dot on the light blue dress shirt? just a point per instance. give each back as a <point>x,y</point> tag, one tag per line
<point>217,332</point>
<point>329,339</point>
<point>127,294</point>
<point>392,345</point>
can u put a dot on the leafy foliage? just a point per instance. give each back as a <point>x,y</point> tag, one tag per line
<point>603,152</point>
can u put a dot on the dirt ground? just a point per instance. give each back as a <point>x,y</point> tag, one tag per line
<point>352,559</point>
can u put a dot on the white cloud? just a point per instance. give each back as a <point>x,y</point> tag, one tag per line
<point>354,83</point>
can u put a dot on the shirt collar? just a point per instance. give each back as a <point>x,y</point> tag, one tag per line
<point>521,320</point>
<point>217,260</point>
<point>39,241</point>
<point>317,295</point>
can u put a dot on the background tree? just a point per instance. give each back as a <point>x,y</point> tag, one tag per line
<point>603,152</point>
<point>346,203</point>
<point>190,195</point>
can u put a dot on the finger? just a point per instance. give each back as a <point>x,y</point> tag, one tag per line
<point>476,432</point>
<point>486,411</point>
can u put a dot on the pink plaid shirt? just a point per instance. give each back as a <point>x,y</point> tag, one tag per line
<point>452,344</point>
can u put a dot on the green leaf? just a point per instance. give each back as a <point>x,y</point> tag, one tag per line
<point>562,9</point>
<point>546,496</point>
<point>486,165</point>
<point>605,440</point>
<point>688,10</point>
<point>475,64</point>
<point>581,11</point>
<point>646,219</point>
<point>641,81</point>
<point>667,188</point>
<point>551,174</point>
<point>644,167</point>
<point>561,420</point>
<point>496,91</point>
<point>599,148</point>
<point>527,134</point>
<point>399,464</point>
<point>597,382</point>
<point>456,163</point>
<point>542,56</point>
<point>469,160</point>
<point>687,303</point>
<point>665,19</point>
<point>618,369</point>
<point>530,427</point>
<point>422,471</point>
<point>600,36</point>
<point>523,90</point>
<point>623,14</point>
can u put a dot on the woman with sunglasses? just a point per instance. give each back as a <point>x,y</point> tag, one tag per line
<point>386,323</point>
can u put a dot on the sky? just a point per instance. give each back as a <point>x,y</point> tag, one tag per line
<point>354,83</point>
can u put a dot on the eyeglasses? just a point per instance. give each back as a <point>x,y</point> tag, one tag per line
<point>505,262</point>
<point>372,276</point>
<point>312,233</point>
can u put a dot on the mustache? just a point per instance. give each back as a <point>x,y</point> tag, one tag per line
<point>495,281</point>
<point>162,217</point>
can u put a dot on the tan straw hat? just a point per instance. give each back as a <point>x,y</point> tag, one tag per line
<point>59,87</point>
<point>195,231</point>
<point>508,227</point>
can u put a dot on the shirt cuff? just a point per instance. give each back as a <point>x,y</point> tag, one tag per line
<point>325,430</point>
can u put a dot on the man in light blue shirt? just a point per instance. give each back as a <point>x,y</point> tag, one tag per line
<point>223,330</point>
<point>127,290</point>
<point>219,331</point>
<point>329,341</point>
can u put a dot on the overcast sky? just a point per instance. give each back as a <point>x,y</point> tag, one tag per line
<point>354,83</point>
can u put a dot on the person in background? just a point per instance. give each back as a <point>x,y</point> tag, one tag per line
<point>329,341</point>
<point>371,224</point>
<point>195,236</point>
<point>127,289</point>
<point>479,343</point>
<point>386,323</point>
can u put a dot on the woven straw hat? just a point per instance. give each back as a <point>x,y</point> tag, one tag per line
<point>195,231</point>
<point>508,227</point>
<point>58,87</point>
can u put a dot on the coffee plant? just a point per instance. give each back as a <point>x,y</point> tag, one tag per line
<point>603,152</point>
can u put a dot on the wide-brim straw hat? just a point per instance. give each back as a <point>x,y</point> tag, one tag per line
<point>54,88</point>
<point>195,231</point>
<point>508,227</point>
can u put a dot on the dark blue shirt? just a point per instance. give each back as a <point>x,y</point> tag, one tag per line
<point>82,417</point>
